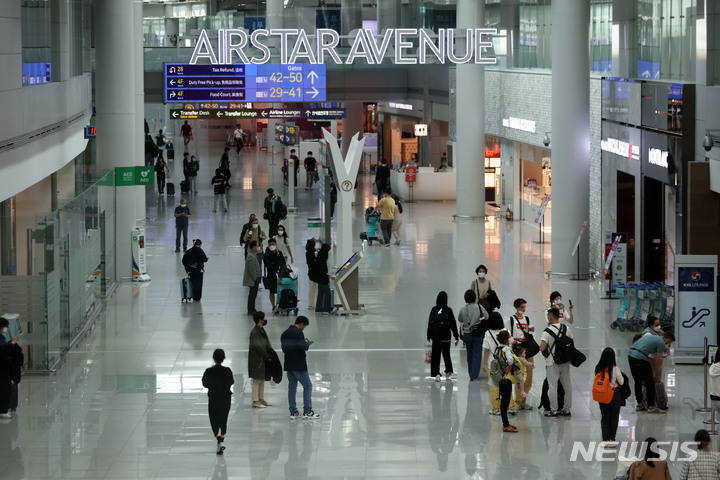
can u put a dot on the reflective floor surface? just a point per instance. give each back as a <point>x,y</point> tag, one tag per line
<point>128,402</point>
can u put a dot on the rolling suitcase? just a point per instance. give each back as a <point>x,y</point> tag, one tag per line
<point>170,186</point>
<point>184,187</point>
<point>186,290</point>
<point>170,151</point>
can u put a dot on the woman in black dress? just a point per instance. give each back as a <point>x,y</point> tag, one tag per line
<point>272,260</point>
<point>218,379</point>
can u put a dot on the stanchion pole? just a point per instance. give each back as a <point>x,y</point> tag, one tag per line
<point>705,383</point>
<point>712,422</point>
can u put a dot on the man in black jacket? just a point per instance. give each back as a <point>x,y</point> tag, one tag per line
<point>194,263</point>
<point>245,228</point>
<point>294,346</point>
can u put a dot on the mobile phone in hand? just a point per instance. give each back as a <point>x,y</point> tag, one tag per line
<point>570,301</point>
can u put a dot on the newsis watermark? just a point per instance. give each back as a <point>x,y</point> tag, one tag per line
<point>630,451</point>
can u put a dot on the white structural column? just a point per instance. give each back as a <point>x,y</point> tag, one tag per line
<point>116,119</point>
<point>470,120</point>
<point>570,132</point>
<point>138,125</point>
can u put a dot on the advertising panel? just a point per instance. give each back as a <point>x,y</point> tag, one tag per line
<point>695,305</point>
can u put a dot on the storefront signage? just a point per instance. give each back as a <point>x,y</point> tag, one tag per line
<point>658,157</point>
<point>618,147</point>
<point>296,45</point>
<point>400,106</point>
<point>519,124</point>
<point>421,130</point>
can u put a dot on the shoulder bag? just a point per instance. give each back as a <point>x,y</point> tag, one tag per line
<point>478,330</point>
<point>531,346</point>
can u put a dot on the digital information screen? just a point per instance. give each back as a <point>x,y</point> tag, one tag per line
<point>343,269</point>
<point>299,82</point>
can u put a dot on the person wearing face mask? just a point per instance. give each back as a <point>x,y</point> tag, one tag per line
<point>520,329</point>
<point>481,286</point>
<point>566,315</point>
<point>322,277</point>
<point>245,228</point>
<point>255,233</point>
<point>194,263</point>
<point>283,244</point>
<point>259,354</point>
<point>272,260</point>
<point>7,349</point>
<point>310,257</point>
<point>252,275</point>
<point>182,220</point>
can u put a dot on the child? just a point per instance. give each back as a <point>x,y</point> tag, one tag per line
<point>518,368</point>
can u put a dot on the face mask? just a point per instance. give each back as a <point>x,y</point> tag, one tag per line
<point>255,225</point>
<point>657,329</point>
<point>280,233</point>
<point>481,275</point>
<point>272,248</point>
<point>182,205</point>
<point>264,322</point>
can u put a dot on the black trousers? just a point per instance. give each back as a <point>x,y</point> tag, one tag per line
<point>274,222</point>
<point>642,374</point>
<point>252,295</point>
<point>160,181</point>
<point>197,283</point>
<point>545,400</point>
<point>218,411</point>
<point>505,396</point>
<point>181,231</point>
<point>609,417</point>
<point>4,385</point>
<point>440,348</point>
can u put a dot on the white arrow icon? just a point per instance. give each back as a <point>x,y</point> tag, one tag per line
<point>312,76</point>
<point>220,113</point>
<point>174,114</point>
<point>307,113</point>
<point>314,91</point>
<point>264,113</point>
<point>172,94</point>
<point>172,69</point>
<point>172,82</point>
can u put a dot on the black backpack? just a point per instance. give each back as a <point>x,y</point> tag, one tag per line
<point>438,323</point>
<point>281,211</point>
<point>288,299</point>
<point>564,346</point>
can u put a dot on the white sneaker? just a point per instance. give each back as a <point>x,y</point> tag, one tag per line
<point>448,377</point>
<point>221,448</point>
<point>438,378</point>
<point>310,415</point>
<point>495,412</point>
<point>5,415</point>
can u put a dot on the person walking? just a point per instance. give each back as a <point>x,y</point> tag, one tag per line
<point>610,412</point>
<point>151,150</point>
<point>194,263</point>
<point>187,134</point>
<point>495,325</point>
<point>295,164</point>
<point>397,219</point>
<point>160,139</point>
<point>245,229</point>
<point>182,220</point>
<point>7,349</point>
<point>252,275</point>
<point>650,467</point>
<point>295,347</point>
<point>382,178</point>
<point>441,326</point>
<point>504,386</point>
<point>310,170</point>
<point>283,244</point>
<point>387,215</point>
<point>471,320</point>
<point>238,137</point>
<point>566,317</point>
<point>274,211</point>
<point>219,184</point>
<point>556,372</point>
<point>706,465</point>
<point>218,380</point>
<point>521,330</point>
<point>482,286</point>
<point>186,171</point>
<point>193,169</point>
<point>646,371</point>
<point>272,260</point>
<point>259,354</point>
<point>160,169</point>
<point>310,258</point>
<point>254,233</point>
<point>225,167</point>
<point>321,276</point>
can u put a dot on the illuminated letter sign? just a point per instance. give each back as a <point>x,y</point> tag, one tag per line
<point>410,46</point>
<point>658,157</point>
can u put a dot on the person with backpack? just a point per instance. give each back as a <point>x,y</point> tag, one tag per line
<point>500,378</point>
<point>521,331</point>
<point>646,371</point>
<point>606,392</point>
<point>495,325</point>
<point>218,183</point>
<point>472,325</point>
<point>160,169</point>
<point>556,343</point>
<point>160,139</point>
<point>194,263</point>
<point>441,326</point>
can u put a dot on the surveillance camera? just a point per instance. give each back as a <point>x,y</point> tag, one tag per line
<point>546,140</point>
<point>707,142</point>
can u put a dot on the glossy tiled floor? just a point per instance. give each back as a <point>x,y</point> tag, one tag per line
<point>128,403</point>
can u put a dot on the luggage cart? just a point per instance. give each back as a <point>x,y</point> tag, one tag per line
<point>625,292</point>
<point>642,308</point>
<point>285,305</point>
<point>372,225</point>
<point>667,321</point>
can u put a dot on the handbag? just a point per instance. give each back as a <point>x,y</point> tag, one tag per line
<point>578,358</point>
<point>428,352</point>
<point>531,346</point>
<point>479,329</point>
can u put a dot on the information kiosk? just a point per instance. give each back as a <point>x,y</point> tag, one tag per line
<point>347,285</point>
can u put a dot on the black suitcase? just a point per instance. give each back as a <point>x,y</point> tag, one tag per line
<point>13,405</point>
<point>171,154</point>
<point>288,299</point>
<point>170,187</point>
<point>186,290</point>
<point>184,187</point>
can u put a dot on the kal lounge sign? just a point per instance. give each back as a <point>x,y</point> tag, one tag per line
<point>410,46</point>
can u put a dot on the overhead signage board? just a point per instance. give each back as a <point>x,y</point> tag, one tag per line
<point>221,114</point>
<point>405,46</point>
<point>286,134</point>
<point>235,83</point>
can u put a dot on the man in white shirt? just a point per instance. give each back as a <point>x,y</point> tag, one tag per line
<point>556,372</point>
<point>238,136</point>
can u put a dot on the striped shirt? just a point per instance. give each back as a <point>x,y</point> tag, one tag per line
<point>705,467</point>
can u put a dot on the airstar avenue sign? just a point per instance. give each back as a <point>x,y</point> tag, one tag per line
<point>409,46</point>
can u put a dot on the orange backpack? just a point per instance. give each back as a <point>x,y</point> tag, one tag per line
<point>602,391</point>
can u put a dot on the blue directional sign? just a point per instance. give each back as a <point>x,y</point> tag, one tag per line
<point>299,82</point>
